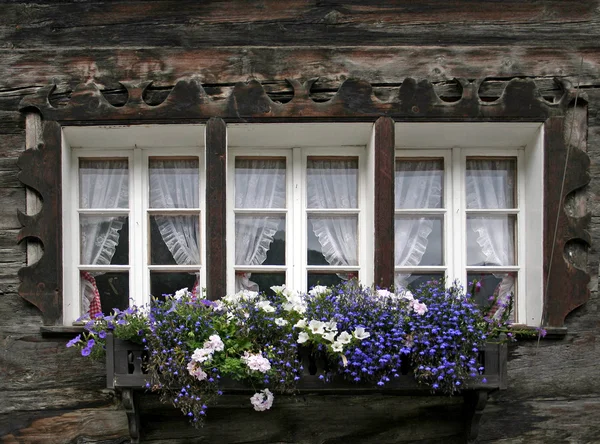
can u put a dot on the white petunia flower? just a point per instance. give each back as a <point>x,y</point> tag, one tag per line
<point>278,288</point>
<point>197,372</point>
<point>262,400</point>
<point>337,347</point>
<point>330,336</point>
<point>302,337</point>
<point>331,325</point>
<point>180,293</point>
<point>419,307</point>
<point>265,306</point>
<point>202,354</point>
<point>361,334</point>
<point>214,343</point>
<point>317,327</point>
<point>256,362</point>
<point>344,338</point>
<point>301,324</point>
<point>317,290</point>
<point>281,322</point>
<point>383,293</point>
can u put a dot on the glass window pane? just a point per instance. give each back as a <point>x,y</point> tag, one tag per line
<point>413,281</point>
<point>112,288</point>
<point>419,183</point>
<point>491,183</point>
<point>175,240</point>
<point>332,183</point>
<point>494,292</point>
<point>167,283</point>
<point>258,281</point>
<point>259,240</point>
<point>332,240</point>
<point>491,240</point>
<point>329,279</point>
<point>104,240</point>
<point>259,183</point>
<point>103,183</point>
<point>419,241</point>
<point>174,182</point>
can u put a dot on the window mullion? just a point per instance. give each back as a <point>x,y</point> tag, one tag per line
<point>457,218</point>
<point>298,214</point>
<point>139,290</point>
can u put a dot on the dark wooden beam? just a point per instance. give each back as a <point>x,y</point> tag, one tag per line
<point>384,202</point>
<point>216,242</point>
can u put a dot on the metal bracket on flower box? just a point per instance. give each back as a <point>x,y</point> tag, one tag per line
<point>125,372</point>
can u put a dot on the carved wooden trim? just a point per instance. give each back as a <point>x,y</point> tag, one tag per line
<point>188,102</point>
<point>568,285</point>
<point>384,201</point>
<point>521,100</point>
<point>41,170</point>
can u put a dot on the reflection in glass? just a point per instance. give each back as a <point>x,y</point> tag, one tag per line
<point>332,183</point>
<point>167,283</point>
<point>419,183</point>
<point>491,240</point>
<point>263,281</point>
<point>103,183</point>
<point>101,237</point>
<point>329,279</point>
<point>333,239</point>
<point>495,292</point>
<point>259,240</point>
<point>491,183</point>
<point>413,281</point>
<point>174,182</point>
<point>419,240</point>
<point>259,183</point>
<point>175,240</point>
<point>113,289</point>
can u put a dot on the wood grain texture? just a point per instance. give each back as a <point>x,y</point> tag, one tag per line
<point>567,284</point>
<point>384,204</point>
<point>299,22</point>
<point>41,171</point>
<point>216,192</point>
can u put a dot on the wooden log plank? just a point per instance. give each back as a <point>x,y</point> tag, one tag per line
<point>90,425</point>
<point>379,65</point>
<point>202,24</point>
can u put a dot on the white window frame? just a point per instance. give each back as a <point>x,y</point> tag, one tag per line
<point>455,142</point>
<point>137,144</point>
<point>301,141</point>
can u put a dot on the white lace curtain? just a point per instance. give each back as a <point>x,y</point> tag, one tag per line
<point>490,185</point>
<point>418,185</point>
<point>259,184</point>
<point>333,184</point>
<point>103,185</point>
<point>174,184</point>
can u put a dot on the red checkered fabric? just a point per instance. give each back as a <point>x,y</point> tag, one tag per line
<point>95,305</point>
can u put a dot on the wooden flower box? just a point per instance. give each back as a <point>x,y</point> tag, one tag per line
<point>125,372</point>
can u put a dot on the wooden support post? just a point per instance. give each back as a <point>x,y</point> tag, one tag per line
<point>384,202</point>
<point>475,402</point>
<point>130,402</point>
<point>216,242</point>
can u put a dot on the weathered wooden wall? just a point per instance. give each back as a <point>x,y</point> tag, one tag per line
<point>48,394</point>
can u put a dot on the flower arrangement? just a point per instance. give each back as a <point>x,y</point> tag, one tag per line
<point>361,334</point>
